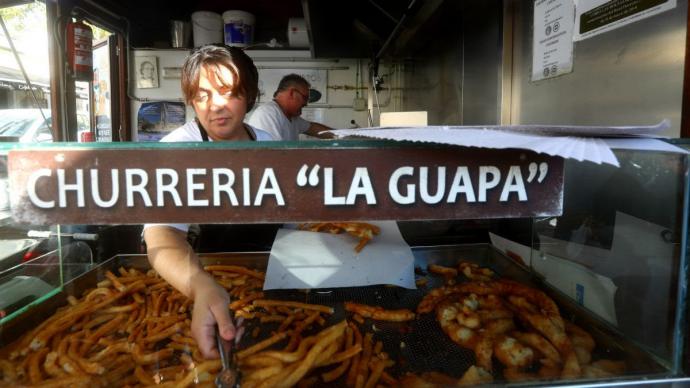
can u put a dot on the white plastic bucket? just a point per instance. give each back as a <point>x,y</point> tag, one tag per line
<point>297,32</point>
<point>239,28</point>
<point>207,27</point>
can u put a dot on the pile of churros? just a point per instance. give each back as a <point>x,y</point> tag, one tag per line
<point>337,351</point>
<point>362,230</point>
<point>133,329</point>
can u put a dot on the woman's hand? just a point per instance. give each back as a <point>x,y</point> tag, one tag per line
<point>210,308</point>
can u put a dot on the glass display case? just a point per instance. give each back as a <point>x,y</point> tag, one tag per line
<point>605,244</point>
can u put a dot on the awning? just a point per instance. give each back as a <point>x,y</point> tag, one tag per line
<point>13,78</point>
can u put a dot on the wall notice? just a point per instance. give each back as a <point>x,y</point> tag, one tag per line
<point>593,17</point>
<point>552,53</point>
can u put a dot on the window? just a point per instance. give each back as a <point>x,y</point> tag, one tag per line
<point>24,101</point>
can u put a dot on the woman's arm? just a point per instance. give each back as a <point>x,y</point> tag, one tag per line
<point>172,257</point>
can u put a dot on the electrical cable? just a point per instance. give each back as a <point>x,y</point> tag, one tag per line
<point>376,95</point>
<point>357,80</point>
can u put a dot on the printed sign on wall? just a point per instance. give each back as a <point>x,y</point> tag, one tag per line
<point>552,44</point>
<point>159,118</point>
<point>594,17</point>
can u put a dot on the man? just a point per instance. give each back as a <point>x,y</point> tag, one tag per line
<point>281,116</point>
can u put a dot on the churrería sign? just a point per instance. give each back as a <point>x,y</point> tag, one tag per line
<point>107,186</point>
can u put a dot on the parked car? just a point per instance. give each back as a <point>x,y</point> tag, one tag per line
<point>25,125</point>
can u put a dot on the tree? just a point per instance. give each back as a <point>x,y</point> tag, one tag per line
<point>18,17</point>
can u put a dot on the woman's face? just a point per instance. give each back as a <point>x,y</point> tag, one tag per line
<point>219,110</point>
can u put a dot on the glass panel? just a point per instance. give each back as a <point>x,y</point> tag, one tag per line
<point>617,248</point>
<point>34,262</point>
<point>38,270</point>
<point>30,270</point>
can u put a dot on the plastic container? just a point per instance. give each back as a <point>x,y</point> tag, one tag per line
<point>297,33</point>
<point>207,27</point>
<point>180,32</point>
<point>239,28</point>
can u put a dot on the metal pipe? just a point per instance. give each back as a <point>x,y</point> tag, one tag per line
<point>21,67</point>
<point>383,11</point>
<point>395,31</point>
<point>680,321</point>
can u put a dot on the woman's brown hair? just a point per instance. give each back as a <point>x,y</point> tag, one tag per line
<point>213,56</point>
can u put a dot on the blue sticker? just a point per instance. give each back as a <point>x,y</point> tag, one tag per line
<point>580,294</point>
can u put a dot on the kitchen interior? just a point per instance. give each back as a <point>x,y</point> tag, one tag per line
<point>452,63</point>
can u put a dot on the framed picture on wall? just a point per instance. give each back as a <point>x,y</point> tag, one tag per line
<point>146,69</point>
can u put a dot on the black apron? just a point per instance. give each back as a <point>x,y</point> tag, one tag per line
<point>233,238</point>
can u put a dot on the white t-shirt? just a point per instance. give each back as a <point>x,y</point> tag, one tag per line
<point>190,132</point>
<point>269,117</point>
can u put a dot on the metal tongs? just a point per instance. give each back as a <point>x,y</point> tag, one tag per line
<point>229,376</point>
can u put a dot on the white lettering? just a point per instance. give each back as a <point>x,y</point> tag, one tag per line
<point>192,187</point>
<point>424,185</point>
<point>514,183</point>
<point>31,188</point>
<point>246,193</point>
<point>461,184</point>
<point>269,186</point>
<point>484,183</point>
<point>409,195</point>
<point>361,185</point>
<point>329,199</point>
<point>137,188</point>
<point>170,188</point>
<point>226,187</point>
<point>96,191</point>
<point>64,187</point>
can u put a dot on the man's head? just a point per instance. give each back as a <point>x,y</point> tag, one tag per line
<point>221,83</point>
<point>292,94</point>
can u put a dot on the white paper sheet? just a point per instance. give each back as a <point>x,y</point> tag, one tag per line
<point>647,278</point>
<point>590,289</point>
<point>301,259</point>
<point>511,249</point>
<point>643,145</point>
<point>552,39</point>
<point>582,143</point>
<point>638,264</point>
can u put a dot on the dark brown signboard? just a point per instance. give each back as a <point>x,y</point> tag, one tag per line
<point>236,185</point>
<point>613,11</point>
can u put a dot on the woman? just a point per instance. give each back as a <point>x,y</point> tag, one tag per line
<point>221,84</point>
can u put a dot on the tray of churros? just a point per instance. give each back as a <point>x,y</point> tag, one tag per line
<point>475,318</point>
